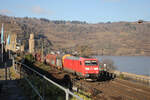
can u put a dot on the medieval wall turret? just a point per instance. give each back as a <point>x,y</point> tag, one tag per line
<point>31,43</point>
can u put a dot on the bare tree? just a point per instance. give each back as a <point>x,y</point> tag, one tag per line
<point>109,64</point>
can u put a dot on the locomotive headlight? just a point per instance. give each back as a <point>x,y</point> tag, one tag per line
<point>87,68</point>
<point>95,68</point>
<point>87,75</point>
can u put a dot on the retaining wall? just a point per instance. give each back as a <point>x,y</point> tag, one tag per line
<point>126,75</point>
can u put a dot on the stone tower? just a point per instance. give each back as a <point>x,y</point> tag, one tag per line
<point>31,43</point>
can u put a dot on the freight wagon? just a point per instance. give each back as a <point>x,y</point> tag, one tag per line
<point>54,60</point>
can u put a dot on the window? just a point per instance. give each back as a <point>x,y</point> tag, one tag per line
<point>80,63</point>
<point>90,62</point>
<point>93,62</point>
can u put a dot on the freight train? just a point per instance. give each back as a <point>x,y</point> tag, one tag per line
<point>83,67</point>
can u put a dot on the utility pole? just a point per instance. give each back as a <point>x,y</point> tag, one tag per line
<point>2,51</point>
<point>5,72</point>
<point>2,41</point>
<point>102,51</point>
<point>42,51</point>
<point>110,48</point>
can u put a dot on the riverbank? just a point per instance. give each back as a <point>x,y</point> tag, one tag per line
<point>133,77</point>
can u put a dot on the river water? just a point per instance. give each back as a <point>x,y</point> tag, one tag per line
<point>133,64</point>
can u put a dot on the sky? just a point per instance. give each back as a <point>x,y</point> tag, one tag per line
<point>91,11</point>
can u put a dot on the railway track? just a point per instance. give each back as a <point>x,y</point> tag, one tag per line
<point>108,89</point>
<point>137,90</point>
<point>119,90</point>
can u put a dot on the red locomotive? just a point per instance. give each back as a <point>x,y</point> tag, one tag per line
<point>83,67</point>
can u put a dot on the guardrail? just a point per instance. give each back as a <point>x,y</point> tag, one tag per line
<point>23,74</point>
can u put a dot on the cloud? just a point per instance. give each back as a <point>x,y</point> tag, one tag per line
<point>39,10</point>
<point>5,12</point>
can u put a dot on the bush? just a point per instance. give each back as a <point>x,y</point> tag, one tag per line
<point>121,76</point>
<point>29,58</point>
<point>109,64</point>
<point>82,96</point>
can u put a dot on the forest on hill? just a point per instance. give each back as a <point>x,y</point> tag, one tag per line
<point>116,38</point>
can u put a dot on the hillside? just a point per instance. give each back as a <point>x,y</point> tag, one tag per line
<point>117,38</point>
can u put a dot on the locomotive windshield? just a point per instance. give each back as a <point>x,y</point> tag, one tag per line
<point>90,62</point>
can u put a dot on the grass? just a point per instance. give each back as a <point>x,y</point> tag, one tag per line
<point>50,91</point>
<point>83,95</point>
<point>42,66</point>
<point>121,76</point>
<point>13,74</point>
